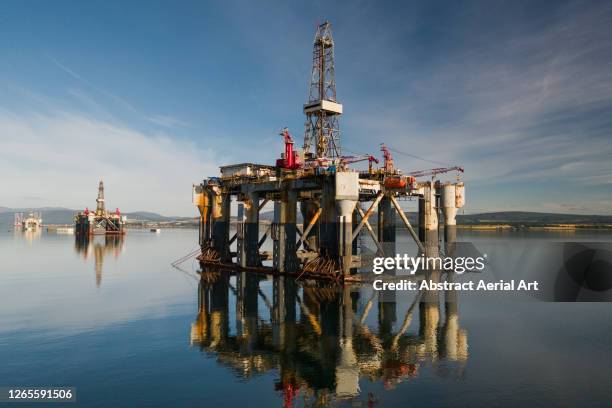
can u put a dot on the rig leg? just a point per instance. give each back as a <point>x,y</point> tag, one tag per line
<point>251,230</point>
<point>241,256</point>
<point>205,208</point>
<point>450,213</point>
<point>428,221</point>
<point>328,228</point>
<point>346,195</point>
<point>386,225</point>
<point>221,226</point>
<point>285,259</point>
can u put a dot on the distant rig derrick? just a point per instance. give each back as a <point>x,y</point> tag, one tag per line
<point>100,221</point>
<point>318,179</point>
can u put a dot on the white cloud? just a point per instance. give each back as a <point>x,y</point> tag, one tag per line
<point>61,156</point>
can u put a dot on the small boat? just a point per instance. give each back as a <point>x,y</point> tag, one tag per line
<point>156,230</point>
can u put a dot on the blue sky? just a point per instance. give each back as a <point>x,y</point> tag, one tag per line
<point>152,96</point>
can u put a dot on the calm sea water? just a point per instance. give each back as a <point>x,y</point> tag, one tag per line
<point>114,319</point>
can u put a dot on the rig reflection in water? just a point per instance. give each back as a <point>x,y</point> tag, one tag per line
<point>323,340</point>
<point>101,246</point>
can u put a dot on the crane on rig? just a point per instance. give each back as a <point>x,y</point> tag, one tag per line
<point>291,159</point>
<point>388,164</point>
<point>354,159</point>
<point>436,171</point>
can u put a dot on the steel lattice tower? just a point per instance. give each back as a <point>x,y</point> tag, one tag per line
<point>322,109</point>
<point>100,210</point>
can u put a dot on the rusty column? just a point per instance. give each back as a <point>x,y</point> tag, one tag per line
<point>251,230</point>
<point>285,232</point>
<point>428,220</point>
<point>221,225</point>
<point>386,225</point>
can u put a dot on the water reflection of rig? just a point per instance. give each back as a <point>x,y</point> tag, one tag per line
<point>101,247</point>
<point>322,341</point>
<point>99,222</point>
<point>329,193</point>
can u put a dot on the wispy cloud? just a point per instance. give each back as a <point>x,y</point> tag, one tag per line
<point>62,155</point>
<point>167,121</point>
<point>68,70</point>
<point>530,105</point>
<point>164,121</point>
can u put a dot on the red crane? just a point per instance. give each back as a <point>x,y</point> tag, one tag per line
<point>434,172</point>
<point>291,160</point>
<point>388,166</point>
<point>354,159</point>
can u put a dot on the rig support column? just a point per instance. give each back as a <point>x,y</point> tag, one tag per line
<point>450,213</point>
<point>285,232</point>
<point>241,257</point>
<point>428,220</point>
<point>205,207</point>
<point>251,230</point>
<point>386,225</point>
<point>328,228</point>
<point>346,197</point>
<point>221,225</point>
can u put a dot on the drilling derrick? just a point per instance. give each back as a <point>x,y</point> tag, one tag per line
<point>322,109</point>
<point>100,210</point>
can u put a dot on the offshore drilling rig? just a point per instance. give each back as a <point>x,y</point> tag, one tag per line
<point>100,221</point>
<point>329,194</point>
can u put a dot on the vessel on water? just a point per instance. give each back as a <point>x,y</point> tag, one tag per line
<point>61,229</point>
<point>100,222</point>
<point>30,223</point>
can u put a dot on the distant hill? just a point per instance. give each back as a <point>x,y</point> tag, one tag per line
<point>58,215</point>
<point>515,218</point>
<point>531,218</point>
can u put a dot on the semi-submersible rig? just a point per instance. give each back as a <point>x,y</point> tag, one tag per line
<point>100,221</point>
<point>329,194</point>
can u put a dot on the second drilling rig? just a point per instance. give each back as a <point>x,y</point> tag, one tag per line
<point>100,221</point>
<point>318,179</point>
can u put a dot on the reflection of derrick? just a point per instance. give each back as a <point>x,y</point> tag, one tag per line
<point>101,247</point>
<point>319,341</point>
